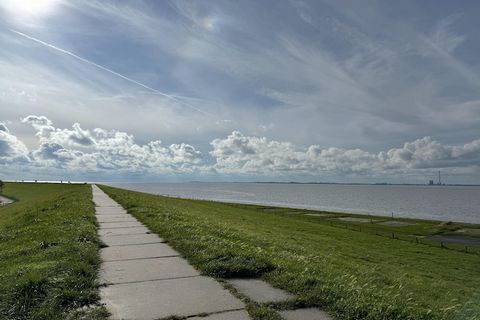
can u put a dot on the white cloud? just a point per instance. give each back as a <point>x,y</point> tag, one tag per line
<point>115,152</point>
<point>11,149</point>
<point>101,150</point>
<point>444,38</point>
<point>47,133</point>
<point>242,154</point>
<point>428,153</point>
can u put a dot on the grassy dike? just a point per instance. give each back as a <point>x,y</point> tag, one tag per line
<point>48,253</point>
<point>353,275</point>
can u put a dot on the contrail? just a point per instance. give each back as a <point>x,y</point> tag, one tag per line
<point>71,54</point>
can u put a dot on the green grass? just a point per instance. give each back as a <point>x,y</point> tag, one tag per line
<point>353,275</point>
<point>48,253</point>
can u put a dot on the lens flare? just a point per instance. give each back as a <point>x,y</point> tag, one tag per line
<point>25,9</point>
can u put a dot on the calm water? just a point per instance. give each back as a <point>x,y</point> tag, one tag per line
<point>444,203</point>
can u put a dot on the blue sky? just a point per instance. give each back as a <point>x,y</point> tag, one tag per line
<point>240,90</point>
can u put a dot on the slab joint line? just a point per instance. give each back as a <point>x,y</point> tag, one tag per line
<point>171,256</point>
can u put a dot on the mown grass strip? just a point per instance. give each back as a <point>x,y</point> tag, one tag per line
<point>48,253</point>
<point>354,275</point>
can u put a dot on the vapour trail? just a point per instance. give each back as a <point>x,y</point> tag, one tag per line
<point>71,54</point>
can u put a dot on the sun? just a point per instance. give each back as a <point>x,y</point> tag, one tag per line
<point>24,9</point>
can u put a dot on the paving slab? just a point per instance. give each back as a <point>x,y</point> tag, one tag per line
<point>106,204</point>
<point>123,231</point>
<point>100,211</point>
<point>113,215</point>
<point>114,206</point>
<point>115,272</point>
<point>231,315</point>
<point>127,224</point>
<point>260,291</point>
<point>305,314</point>
<point>116,218</point>
<point>163,298</point>
<point>137,251</point>
<point>129,239</point>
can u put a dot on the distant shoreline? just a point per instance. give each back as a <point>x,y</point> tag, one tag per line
<point>257,182</point>
<point>332,183</point>
<point>374,184</point>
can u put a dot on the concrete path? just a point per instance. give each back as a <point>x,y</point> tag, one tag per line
<point>260,291</point>
<point>145,278</point>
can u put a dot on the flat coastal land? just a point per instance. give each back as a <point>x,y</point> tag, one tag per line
<point>352,266</point>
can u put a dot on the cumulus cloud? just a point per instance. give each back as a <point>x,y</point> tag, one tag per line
<point>100,150</point>
<point>11,149</point>
<point>47,133</point>
<point>111,151</point>
<point>428,153</point>
<point>238,153</point>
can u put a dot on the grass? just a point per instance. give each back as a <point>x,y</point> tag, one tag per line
<point>48,253</point>
<point>353,275</point>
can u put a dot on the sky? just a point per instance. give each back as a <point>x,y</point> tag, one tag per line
<point>271,90</point>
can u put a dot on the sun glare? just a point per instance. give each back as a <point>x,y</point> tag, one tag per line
<point>23,9</point>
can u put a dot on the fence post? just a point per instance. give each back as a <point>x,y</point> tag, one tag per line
<point>393,235</point>
<point>441,244</point>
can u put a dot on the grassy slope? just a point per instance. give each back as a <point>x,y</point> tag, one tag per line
<point>48,252</point>
<point>355,275</point>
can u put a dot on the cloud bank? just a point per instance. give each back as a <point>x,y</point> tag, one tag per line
<point>113,152</point>
<point>243,154</point>
<point>98,150</point>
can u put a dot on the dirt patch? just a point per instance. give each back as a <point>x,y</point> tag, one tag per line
<point>455,239</point>
<point>322,215</point>
<point>359,220</point>
<point>468,231</point>
<point>394,223</point>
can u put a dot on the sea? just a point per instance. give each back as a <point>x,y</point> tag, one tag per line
<point>444,203</point>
